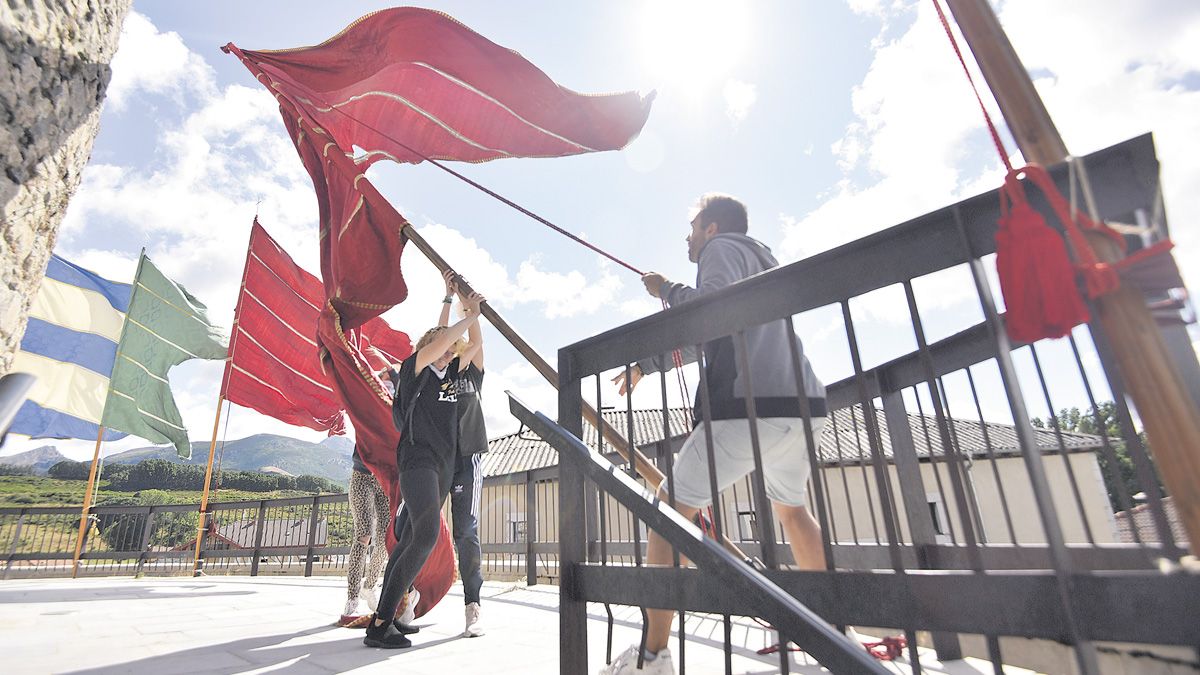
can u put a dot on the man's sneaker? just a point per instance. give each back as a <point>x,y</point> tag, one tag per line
<point>372,598</point>
<point>626,664</point>
<point>409,614</point>
<point>385,636</point>
<point>474,626</point>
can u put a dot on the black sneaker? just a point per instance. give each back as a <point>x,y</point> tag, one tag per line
<point>385,636</point>
<point>404,628</point>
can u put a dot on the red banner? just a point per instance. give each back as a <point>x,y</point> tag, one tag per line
<point>405,84</point>
<point>275,367</point>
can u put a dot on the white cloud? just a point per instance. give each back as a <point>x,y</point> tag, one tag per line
<point>566,295</point>
<point>740,97</point>
<point>913,118</point>
<point>150,61</point>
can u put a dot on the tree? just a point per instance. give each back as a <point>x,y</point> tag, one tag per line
<point>314,484</point>
<point>70,470</point>
<point>171,529</point>
<point>1103,422</point>
<point>159,474</point>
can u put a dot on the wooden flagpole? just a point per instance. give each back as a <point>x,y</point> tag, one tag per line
<point>87,496</point>
<point>212,444</point>
<point>200,527</point>
<point>1163,402</point>
<point>87,505</point>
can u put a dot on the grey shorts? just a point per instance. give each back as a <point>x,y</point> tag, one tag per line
<point>784,455</point>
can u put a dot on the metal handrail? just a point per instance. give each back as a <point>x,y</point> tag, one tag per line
<point>787,614</point>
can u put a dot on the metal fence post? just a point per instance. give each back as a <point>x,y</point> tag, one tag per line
<point>531,524</point>
<point>572,535</point>
<point>258,536</point>
<point>144,546</point>
<point>312,535</point>
<point>916,506</point>
<point>12,550</point>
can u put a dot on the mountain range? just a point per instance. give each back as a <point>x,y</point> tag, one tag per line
<point>38,459</point>
<point>262,452</point>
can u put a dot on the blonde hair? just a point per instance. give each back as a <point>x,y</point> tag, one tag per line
<point>429,336</point>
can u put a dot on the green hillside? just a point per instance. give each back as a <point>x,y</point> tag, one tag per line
<point>38,460</point>
<point>328,459</point>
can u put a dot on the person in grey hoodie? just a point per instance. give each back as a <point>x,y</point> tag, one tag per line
<point>724,255</point>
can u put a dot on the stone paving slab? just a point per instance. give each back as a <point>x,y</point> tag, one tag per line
<point>285,624</point>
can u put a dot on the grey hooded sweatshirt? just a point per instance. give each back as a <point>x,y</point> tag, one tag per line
<point>724,260</point>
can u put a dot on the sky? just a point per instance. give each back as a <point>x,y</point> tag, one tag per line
<point>830,119</point>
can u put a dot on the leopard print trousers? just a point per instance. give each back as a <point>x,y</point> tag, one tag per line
<point>372,517</point>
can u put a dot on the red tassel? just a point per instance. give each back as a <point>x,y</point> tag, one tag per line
<point>1036,274</point>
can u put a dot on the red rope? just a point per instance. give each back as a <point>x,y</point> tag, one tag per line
<point>987,118</point>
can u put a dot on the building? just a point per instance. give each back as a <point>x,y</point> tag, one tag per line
<point>992,483</point>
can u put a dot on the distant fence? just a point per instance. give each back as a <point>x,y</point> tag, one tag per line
<point>297,536</point>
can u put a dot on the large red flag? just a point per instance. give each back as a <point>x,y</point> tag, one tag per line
<point>274,366</point>
<point>407,84</point>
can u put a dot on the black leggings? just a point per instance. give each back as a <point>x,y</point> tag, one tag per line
<point>416,534</point>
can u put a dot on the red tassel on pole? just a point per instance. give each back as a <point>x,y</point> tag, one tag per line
<point>1036,273</point>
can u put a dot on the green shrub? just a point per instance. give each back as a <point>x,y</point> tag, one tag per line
<point>70,470</point>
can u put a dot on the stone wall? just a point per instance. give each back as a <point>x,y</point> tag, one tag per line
<point>54,70</point>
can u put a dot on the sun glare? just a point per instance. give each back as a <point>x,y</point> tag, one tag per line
<point>691,44</point>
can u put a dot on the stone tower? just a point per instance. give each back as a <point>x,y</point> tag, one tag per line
<point>54,70</point>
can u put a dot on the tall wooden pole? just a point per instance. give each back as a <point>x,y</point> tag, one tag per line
<point>1167,411</point>
<point>212,448</point>
<point>87,505</point>
<point>212,444</point>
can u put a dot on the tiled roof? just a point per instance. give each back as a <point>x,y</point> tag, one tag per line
<point>1143,519</point>
<point>971,437</point>
<point>524,450</point>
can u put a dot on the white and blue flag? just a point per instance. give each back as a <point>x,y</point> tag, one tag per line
<point>70,344</point>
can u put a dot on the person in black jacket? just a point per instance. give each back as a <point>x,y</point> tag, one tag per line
<point>425,411</point>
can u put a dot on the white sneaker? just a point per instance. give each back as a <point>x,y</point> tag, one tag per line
<point>371,596</point>
<point>626,663</point>
<point>410,612</point>
<point>474,625</point>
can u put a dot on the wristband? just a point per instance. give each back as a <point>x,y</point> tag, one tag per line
<point>448,299</point>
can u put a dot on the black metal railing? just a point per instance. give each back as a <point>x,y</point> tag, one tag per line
<point>943,508</point>
<point>295,536</point>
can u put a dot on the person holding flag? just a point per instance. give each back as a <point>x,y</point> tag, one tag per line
<point>425,411</point>
<point>467,483</point>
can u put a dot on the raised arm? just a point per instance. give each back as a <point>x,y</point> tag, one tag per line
<point>451,289</point>
<point>474,353</point>
<point>445,339</point>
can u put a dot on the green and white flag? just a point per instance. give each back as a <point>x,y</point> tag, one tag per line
<point>165,326</point>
